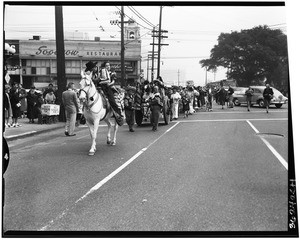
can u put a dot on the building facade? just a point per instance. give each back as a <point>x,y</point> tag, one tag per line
<point>35,60</point>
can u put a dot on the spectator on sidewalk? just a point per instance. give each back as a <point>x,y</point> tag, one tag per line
<point>49,89</point>
<point>32,105</point>
<point>70,102</point>
<point>7,107</point>
<point>15,100</point>
<point>23,108</point>
<point>50,97</point>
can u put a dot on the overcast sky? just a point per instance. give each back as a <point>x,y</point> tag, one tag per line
<point>192,31</point>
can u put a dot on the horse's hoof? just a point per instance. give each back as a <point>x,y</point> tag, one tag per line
<point>91,153</point>
<point>113,144</point>
<point>108,142</point>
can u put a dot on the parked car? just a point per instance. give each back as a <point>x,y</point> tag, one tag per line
<point>239,96</point>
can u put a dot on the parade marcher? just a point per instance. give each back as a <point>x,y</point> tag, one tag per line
<point>201,96</point>
<point>50,97</point>
<point>129,107</point>
<point>268,95</point>
<point>190,94</point>
<point>185,104</point>
<point>32,105</point>
<point>210,95</point>
<point>70,102</point>
<point>15,100</point>
<point>222,96</point>
<point>175,103</point>
<point>107,83</point>
<point>230,97</point>
<point>156,106</point>
<point>249,93</point>
<point>7,106</point>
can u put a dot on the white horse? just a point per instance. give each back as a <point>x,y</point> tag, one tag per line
<point>94,110</point>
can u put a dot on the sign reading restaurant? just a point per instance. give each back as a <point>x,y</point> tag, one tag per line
<point>43,50</point>
<point>74,49</point>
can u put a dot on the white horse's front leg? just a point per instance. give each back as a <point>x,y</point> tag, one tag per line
<point>114,141</point>
<point>93,131</point>
<point>108,141</point>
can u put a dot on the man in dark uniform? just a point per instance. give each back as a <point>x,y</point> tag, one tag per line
<point>129,107</point>
<point>230,97</point>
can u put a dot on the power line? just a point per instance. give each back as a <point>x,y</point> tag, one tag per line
<point>140,16</point>
<point>136,21</point>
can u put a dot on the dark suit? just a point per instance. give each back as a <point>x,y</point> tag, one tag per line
<point>69,99</point>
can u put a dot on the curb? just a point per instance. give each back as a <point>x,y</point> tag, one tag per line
<point>28,134</point>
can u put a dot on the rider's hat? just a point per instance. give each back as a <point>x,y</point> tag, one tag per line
<point>90,65</point>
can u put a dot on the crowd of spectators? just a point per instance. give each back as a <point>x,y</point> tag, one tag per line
<point>19,102</point>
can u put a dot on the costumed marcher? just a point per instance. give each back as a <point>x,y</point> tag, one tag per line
<point>175,103</point>
<point>92,70</point>
<point>129,107</point>
<point>106,83</point>
<point>249,93</point>
<point>156,106</point>
<point>70,102</point>
<point>32,105</point>
<point>185,104</point>
<point>268,95</point>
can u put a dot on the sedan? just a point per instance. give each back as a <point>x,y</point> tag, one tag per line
<point>239,96</point>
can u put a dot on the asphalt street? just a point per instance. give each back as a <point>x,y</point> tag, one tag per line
<point>224,170</point>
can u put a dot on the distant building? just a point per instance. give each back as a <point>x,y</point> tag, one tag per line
<point>34,62</point>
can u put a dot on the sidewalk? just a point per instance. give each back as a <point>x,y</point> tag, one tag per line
<point>29,129</point>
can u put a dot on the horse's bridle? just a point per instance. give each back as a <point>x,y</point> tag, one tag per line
<point>89,98</point>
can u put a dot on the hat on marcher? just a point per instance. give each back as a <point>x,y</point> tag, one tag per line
<point>7,87</point>
<point>130,88</point>
<point>90,65</point>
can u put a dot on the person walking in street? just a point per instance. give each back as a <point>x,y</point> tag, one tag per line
<point>249,93</point>
<point>185,104</point>
<point>156,106</point>
<point>230,97</point>
<point>15,100</point>
<point>175,103</point>
<point>70,102</point>
<point>268,95</point>
<point>32,105</point>
<point>129,107</point>
<point>222,96</point>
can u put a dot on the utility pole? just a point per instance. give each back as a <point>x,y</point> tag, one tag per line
<point>152,67</point>
<point>159,41</point>
<point>60,58</point>
<point>122,49</point>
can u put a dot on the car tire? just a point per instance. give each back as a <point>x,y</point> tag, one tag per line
<point>261,103</point>
<point>278,105</point>
<point>236,102</point>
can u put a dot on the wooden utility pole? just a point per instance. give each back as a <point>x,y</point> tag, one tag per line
<point>152,66</point>
<point>159,42</point>
<point>60,57</point>
<point>122,49</point>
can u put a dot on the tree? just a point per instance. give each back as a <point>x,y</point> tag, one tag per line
<point>251,55</point>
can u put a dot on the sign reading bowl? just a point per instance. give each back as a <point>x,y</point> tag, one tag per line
<point>45,51</point>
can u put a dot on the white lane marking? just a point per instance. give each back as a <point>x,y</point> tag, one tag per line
<point>106,179</point>
<point>262,111</point>
<point>272,149</point>
<point>234,120</point>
